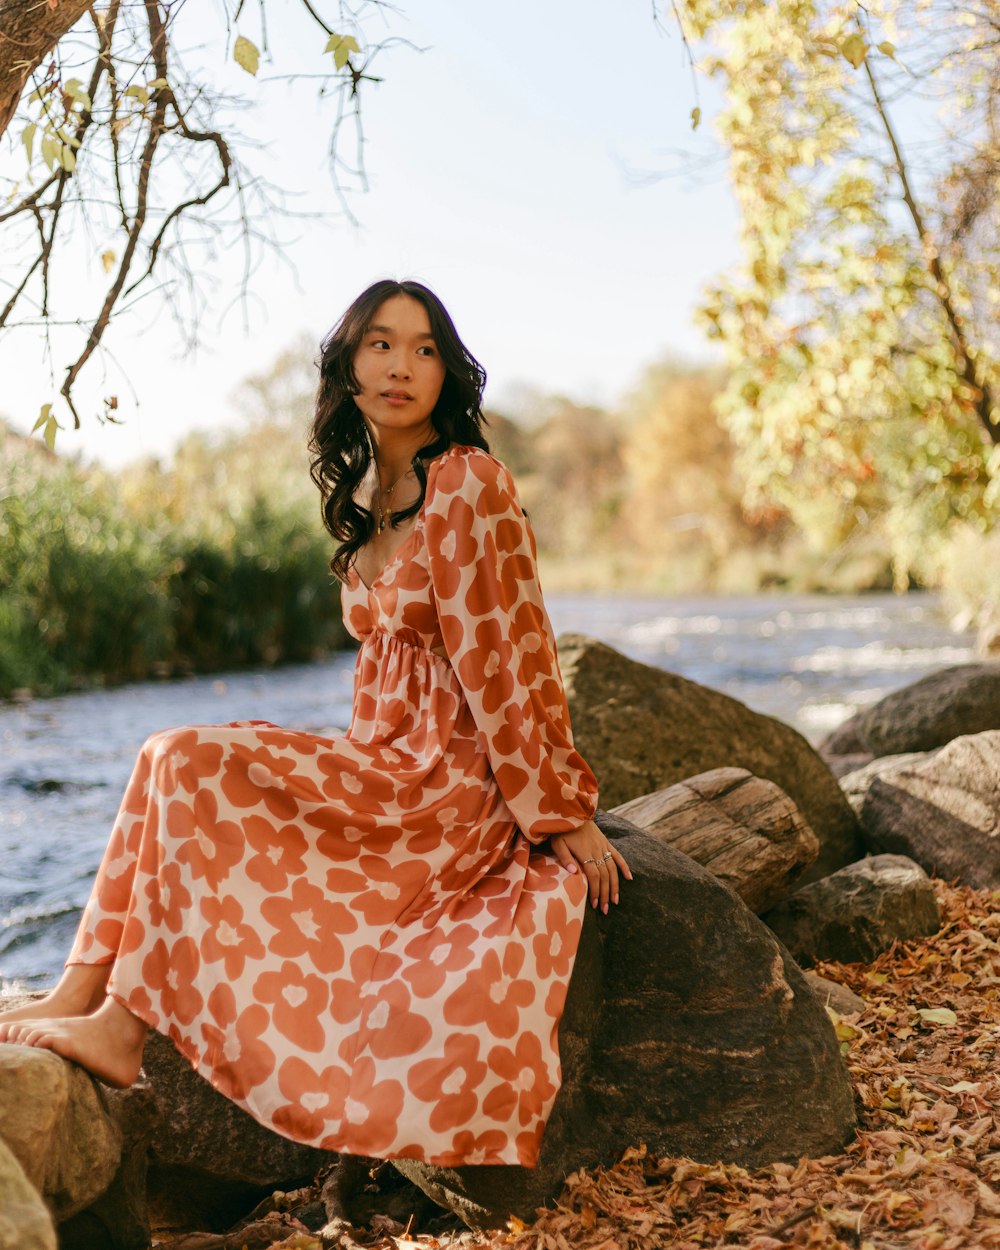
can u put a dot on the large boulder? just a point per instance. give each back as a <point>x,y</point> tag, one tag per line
<point>210,1160</point>
<point>25,1222</point>
<point>942,810</point>
<point>689,1028</point>
<point>641,728</point>
<point>857,913</point>
<point>745,831</point>
<point>963,699</point>
<point>55,1120</point>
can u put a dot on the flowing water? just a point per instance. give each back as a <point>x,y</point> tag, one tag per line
<point>64,763</point>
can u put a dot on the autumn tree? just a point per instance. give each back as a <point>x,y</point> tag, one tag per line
<point>861,329</point>
<point>111,138</point>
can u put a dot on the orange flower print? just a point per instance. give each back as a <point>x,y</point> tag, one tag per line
<point>228,938</point>
<point>298,999</point>
<point>370,788</point>
<point>432,955</point>
<point>391,1030</point>
<point>371,1110</point>
<point>392,887</point>
<point>479,1148</point>
<point>313,1098</point>
<point>252,777</point>
<point>279,853</point>
<point>309,923</point>
<point>525,1081</point>
<point>233,1047</point>
<point>450,1082</point>
<point>210,846</point>
<point>493,994</point>
<point>179,758</point>
<point>348,994</point>
<point>173,970</point>
<point>168,898</point>
<point>554,944</point>
<point>488,666</point>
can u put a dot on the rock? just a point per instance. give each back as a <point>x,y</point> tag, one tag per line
<point>688,1028</point>
<point>963,699</point>
<point>841,765</point>
<point>857,913</point>
<point>211,1161</point>
<point>988,635</point>
<point>356,1189</point>
<point>56,1122</point>
<point>641,729</point>
<point>856,785</point>
<point>830,993</point>
<point>119,1219</point>
<point>25,1223</point>
<point>942,810</point>
<point>745,831</point>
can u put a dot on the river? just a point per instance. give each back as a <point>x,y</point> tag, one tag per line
<point>810,660</point>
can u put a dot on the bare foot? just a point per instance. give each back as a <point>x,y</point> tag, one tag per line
<point>80,991</point>
<point>108,1043</point>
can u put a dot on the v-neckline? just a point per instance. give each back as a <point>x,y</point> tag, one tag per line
<point>418,525</point>
<point>394,558</point>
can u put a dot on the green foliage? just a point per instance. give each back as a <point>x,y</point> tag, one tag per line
<point>114,577</point>
<point>861,327</point>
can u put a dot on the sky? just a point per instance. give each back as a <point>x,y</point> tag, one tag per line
<point>527,163</point>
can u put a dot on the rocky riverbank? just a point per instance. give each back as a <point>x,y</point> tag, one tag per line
<point>693,1026</point>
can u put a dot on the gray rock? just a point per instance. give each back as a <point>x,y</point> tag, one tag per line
<point>641,729</point>
<point>687,1027</point>
<point>25,1222</point>
<point>842,765</point>
<point>963,699</point>
<point>744,830</point>
<point>856,784</point>
<point>857,913</point>
<point>942,810</point>
<point>830,993</point>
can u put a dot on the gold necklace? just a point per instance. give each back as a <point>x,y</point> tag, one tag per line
<point>378,498</point>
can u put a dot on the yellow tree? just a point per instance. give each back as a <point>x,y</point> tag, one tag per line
<point>861,327</point>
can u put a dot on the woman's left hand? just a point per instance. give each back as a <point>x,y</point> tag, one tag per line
<point>598,858</point>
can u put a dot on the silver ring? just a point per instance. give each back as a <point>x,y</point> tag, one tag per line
<point>590,861</point>
<point>608,856</point>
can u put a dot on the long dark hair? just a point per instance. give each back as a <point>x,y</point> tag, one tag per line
<point>339,443</point>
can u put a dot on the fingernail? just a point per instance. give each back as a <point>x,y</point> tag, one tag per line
<point>605,909</point>
<point>615,899</point>
<point>571,867</point>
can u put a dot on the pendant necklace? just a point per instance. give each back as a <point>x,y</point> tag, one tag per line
<point>382,515</point>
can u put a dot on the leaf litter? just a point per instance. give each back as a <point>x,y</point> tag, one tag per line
<point>923,1172</point>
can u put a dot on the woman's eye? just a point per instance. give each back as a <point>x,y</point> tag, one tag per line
<point>379,343</point>
<point>427,350</point>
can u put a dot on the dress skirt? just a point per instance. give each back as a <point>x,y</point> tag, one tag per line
<point>357,938</point>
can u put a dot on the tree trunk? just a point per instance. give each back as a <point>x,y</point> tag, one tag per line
<point>744,830</point>
<point>29,30</point>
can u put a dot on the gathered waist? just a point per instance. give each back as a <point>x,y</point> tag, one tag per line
<point>438,652</point>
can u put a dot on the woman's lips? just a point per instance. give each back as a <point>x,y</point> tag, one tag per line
<point>396,397</point>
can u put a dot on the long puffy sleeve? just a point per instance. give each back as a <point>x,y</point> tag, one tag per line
<point>483,566</point>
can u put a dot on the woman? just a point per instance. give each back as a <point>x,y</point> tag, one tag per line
<point>356,938</point>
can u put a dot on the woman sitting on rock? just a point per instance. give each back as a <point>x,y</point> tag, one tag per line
<point>361,939</point>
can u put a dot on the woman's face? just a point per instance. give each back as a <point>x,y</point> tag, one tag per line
<point>398,367</point>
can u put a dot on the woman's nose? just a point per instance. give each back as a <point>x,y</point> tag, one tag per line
<point>399,367</point>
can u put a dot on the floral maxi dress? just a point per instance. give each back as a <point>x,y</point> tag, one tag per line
<point>354,937</point>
